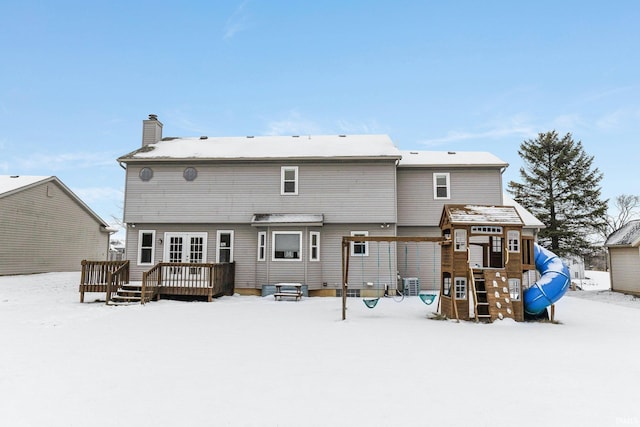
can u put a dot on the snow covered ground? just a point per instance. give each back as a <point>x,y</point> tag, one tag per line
<point>252,361</point>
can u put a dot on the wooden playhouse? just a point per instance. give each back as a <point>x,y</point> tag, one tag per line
<point>484,259</point>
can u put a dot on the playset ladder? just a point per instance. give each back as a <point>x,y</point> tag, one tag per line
<point>481,305</point>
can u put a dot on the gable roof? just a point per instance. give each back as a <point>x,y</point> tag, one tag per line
<point>628,235</point>
<point>268,147</point>
<point>12,184</point>
<point>481,214</point>
<point>450,159</point>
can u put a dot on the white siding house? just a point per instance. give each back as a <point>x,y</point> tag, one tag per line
<point>624,257</point>
<point>45,227</point>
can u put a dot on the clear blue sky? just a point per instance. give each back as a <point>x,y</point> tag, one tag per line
<point>77,78</point>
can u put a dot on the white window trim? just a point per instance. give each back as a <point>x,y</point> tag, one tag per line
<point>435,185</point>
<point>513,240</point>
<point>463,281</point>
<point>317,246</point>
<point>366,244</point>
<point>459,244</point>
<point>218,233</point>
<point>273,246</point>
<point>262,245</point>
<point>515,284</point>
<point>153,246</point>
<point>282,181</point>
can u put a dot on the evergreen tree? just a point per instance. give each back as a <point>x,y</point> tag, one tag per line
<point>561,188</point>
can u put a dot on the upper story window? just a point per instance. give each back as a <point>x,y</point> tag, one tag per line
<point>359,248</point>
<point>441,186</point>
<point>289,180</point>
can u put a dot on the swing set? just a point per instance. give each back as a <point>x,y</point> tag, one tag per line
<point>398,295</point>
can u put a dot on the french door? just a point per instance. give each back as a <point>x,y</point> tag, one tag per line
<point>185,248</point>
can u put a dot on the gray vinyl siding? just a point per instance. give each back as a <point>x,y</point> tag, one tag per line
<point>345,192</point>
<point>373,268</point>
<point>244,247</point>
<point>420,259</point>
<point>625,269</point>
<point>417,206</point>
<point>251,273</point>
<point>43,229</point>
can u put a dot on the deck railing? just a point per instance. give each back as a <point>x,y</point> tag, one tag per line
<point>95,275</point>
<point>190,279</point>
<point>117,278</point>
<point>179,279</point>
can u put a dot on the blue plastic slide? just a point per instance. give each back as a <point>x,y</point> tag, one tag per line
<point>553,283</point>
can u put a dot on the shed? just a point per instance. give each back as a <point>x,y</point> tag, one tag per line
<point>45,227</point>
<point>623,246</point>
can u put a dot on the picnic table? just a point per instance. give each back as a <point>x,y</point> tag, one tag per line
<point>288,290</point>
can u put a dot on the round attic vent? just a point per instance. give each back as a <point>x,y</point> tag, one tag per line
<point>146,174</point>
<point>190,174</point>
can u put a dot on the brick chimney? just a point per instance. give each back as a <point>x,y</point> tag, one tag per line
<point>151,130</point>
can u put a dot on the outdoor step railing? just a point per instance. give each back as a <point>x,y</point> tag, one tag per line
<point>116,279</point>
<point>95,275</point>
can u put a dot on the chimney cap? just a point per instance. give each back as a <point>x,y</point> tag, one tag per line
<point>153,117</point>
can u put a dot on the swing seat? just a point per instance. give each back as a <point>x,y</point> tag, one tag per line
<point>427,298</point>
<point>371,302</point>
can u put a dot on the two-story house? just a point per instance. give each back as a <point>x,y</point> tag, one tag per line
<point>278,206</point>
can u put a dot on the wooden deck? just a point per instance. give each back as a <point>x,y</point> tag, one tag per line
<point>164,279</point>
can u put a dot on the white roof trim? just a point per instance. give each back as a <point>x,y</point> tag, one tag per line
<point>287,219</point>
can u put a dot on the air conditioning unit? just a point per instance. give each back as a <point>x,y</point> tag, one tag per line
<point>411,286</point>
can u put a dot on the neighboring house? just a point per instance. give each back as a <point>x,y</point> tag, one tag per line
<point>576,266</point>
<point>624,258</point>
<point>278,206</point>
<point>45,227</point>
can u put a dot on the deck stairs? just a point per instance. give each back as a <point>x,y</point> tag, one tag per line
<point>128,294</point>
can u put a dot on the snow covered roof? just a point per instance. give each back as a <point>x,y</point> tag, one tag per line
<point>629,235</point>
<point>478,214</point>
<point>268,147</point>
<point>450,159</point>
<point>286,219</point>
<point>11,183</point>
<point>529,220</point>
